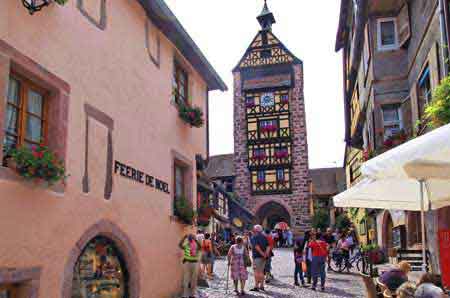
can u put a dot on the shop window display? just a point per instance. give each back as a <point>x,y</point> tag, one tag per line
<point>100,272</point>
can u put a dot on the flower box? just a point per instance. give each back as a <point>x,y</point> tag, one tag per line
<point>191,115</point>
<point>38,165</point>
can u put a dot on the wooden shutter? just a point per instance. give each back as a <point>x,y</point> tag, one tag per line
<point>414,106</point>
<point>367,53</point>
<point>433,62</point>
<point>403,25</point>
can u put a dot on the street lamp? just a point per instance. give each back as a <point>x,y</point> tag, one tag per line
<point>35,5</point>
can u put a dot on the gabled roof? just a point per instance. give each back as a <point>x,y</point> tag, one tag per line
<point>281,55</point>
<point>221,166</point>
<point>165,20</point>
<point>327,181</point>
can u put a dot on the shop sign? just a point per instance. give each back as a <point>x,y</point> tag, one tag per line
<point>141,177</point>
<point>444,250</point>
<point>267,100</point>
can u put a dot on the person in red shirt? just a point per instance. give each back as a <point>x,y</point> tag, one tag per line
<point>319,250</point>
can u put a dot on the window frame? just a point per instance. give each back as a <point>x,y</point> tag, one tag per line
<point>183,170</point>
<point>421,82</point>
<point>380,45</point>
<point>178,71</point>
<point>23,114</point>
<point>387,123</point>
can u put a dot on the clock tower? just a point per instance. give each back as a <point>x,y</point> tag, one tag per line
<point>271,151</point>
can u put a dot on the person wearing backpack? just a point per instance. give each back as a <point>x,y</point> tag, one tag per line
<point>191,254</point>
<point>206,259</point>
<point>239,260</point>
<point>319,250</point>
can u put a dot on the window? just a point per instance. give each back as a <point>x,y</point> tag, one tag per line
<point>179,182</point>
<point>387,34</point>
<point>261,177</point>
<point>179,85</point>
<point>280,175</point>
<point>392,120</point>
<point>424,91</point>
<point>25,122</point>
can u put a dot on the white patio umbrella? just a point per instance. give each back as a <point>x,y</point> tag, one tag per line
<point>414,176</point>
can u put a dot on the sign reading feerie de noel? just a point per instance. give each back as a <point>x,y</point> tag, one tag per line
<point>141,177</point>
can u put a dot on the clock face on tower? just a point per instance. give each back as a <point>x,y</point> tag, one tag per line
<point>267,100</point>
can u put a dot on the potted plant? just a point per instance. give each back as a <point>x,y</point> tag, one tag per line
<point>373,252</point>
<point>191,114</point>
<point>38,164</point>
<point>438,110</point>
<point>184,210</point>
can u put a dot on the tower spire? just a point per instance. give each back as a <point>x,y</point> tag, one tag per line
<point>266,18</point>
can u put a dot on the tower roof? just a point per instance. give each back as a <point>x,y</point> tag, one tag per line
<point>266,18</point>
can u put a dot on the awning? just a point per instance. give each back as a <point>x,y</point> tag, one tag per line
<point>391,180</point>
<point>413,176</point>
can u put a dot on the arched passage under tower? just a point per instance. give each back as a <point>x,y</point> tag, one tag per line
<point>271,213</point>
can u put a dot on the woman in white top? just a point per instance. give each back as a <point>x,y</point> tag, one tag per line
<point>239,272</point>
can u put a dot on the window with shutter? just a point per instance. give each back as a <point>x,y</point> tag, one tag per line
<point>403,25</point>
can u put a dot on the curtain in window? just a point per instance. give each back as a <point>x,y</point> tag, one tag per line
<point>34,121</point>
<point>13,102</point>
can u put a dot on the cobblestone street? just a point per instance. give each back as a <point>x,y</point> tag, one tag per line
<point>338,285</point>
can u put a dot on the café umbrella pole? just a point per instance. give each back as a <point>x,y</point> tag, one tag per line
<point>422,216</point>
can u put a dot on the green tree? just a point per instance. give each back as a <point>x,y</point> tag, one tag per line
<point>343,222</point>
<point>321,219</point>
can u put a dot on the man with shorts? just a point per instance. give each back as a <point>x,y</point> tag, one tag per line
<point>260,252</point>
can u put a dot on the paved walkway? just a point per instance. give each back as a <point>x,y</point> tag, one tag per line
<point>338,285</point>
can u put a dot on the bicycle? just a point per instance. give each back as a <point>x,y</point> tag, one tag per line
<point>339,263</point>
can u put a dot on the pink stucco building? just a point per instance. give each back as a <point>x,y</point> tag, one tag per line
<point>100,83</point>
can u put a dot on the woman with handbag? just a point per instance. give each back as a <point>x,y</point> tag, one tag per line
<point>239,260</point>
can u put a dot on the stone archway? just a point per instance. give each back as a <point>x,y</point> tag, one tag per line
<point>271,213</point>
<point>388,226</point>
<point>111,231</point>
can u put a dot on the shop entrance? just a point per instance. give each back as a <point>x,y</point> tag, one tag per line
<point>100,271</point>
<point>272,213</point>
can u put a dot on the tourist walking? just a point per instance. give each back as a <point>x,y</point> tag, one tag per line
<point>298,259</point>
<point>191,254</point>
<point>238,260</point>
<point>207,256</point>
<point>319,250</point>
<point>260,251</point>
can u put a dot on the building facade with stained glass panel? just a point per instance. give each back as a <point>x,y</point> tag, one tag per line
<point>271,155</point>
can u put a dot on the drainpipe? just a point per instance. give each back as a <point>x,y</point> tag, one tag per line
<point>443,14</point>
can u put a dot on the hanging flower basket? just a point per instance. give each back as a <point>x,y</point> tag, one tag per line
<point>438,110</point>
<point>37,164</point>
<point>191,115</point>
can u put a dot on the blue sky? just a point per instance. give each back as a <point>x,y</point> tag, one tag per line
<point>223,29</point>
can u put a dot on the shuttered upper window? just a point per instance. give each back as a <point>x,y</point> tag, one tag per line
<point>25,118</point>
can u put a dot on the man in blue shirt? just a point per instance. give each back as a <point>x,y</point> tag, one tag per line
<point>260,253</point>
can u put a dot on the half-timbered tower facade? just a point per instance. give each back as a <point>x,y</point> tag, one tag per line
<point>271,154</point>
